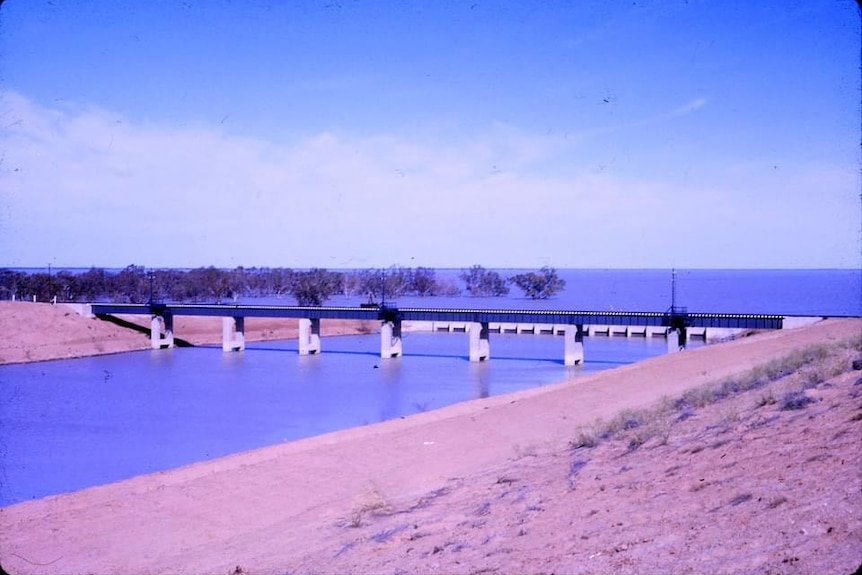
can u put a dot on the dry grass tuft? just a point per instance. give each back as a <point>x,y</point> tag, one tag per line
<point>370,502</point>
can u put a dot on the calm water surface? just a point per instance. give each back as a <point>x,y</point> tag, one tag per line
<point>71,424</point>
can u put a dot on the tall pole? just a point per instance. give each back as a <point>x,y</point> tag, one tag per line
<point>673,290</point>
<point>151,276</point>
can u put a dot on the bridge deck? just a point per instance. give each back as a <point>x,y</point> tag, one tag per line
<point>560,317</point>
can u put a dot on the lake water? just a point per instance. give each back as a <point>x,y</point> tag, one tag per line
<point>66,425</point>
<point>782,292</point>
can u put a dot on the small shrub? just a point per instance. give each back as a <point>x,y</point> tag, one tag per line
<point>742,498</point>
<point>626,420</point>
<point>685,413</point>
<point>768,398</point>
<point>795,400</point>
<point>370,502</point>
<point>525,451</point>
<point>586,437</point>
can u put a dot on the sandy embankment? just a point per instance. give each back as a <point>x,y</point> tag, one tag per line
<point>492,486</point>
<point>41,331</point>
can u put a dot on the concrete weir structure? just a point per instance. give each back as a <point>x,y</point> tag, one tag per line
<point>674,324</point>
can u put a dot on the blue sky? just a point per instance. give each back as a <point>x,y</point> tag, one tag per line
<point>372,133</point>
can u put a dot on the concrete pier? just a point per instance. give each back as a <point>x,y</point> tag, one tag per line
<point>309,336</point>
<point>233,334</point>
<point>676,340</point>
<point>480,345</point>
<point>574,344</point>
<point>162,331</point>
<point>390,339</point>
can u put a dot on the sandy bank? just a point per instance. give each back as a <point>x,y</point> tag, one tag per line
<point>293,507</point>
<point>41,331</point>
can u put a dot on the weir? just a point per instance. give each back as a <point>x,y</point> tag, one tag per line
<point>480,344</point>
<point>478,323</point>
<point>390,339</point>
<point>233,333</point>
<point>309,336</point>
<point>162,331</point>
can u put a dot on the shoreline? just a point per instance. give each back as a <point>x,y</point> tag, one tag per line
<point>49,332</point>
<point>275,507</point>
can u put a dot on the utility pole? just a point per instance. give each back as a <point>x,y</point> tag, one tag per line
<point>151,276</point>
<point>673,290</point>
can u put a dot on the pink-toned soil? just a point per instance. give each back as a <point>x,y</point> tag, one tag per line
<point>494,486</point>
<point>41,331</point>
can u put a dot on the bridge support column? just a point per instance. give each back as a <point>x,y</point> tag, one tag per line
<point>390,339</point>
<point>480,345</point>
<point>233,333</point>
<point>676,339</point>
<point>574,346</point>
<point>157,340</point>
<point>309,336</point>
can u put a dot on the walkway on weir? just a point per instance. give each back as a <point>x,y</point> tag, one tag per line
<point>571,324</point>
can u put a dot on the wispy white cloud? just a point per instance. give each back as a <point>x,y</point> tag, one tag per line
<point>88,186</point>
<point>687,109</point>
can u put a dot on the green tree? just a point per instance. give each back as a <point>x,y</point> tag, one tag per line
<point>423,282</point>
<point>313,287</point>
<point>130,285</point>
<point>539,285</point>
<point>484,283</point>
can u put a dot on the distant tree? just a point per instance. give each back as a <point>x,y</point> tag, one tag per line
<point>130,285</point>
<point>370,283</point>
<point>170,284</point>
<point>67,286</point>
<point>313,287</point>
<point>482,282</point>
<point>448,287</point>
<point>398,281</point>
<point>539,285</point>
<point>208,283</point>
<point>423,282</point>
<point>12,284</point>
<point>237,282</point>
<point>279,281</point>
<point>93,284</point>
<point>42,286</point>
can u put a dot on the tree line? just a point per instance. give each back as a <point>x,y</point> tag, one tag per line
<point>136,284</point>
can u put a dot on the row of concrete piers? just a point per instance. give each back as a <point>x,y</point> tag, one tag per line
<point>479,335</point>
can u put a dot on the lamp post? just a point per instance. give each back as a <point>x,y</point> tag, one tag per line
<point>151,276</point>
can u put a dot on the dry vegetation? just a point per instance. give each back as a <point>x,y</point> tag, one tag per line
<point>757,474</point>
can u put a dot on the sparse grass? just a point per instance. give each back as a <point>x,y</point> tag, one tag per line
<point>812,365</point>
<point>371,501</point>
<point>585,437</point>
<point>795,400</point>
<point>767,398</point>
<point>741,498</point>
<point>522,451</point>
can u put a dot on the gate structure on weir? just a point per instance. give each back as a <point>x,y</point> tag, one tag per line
<point>477,323</point>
